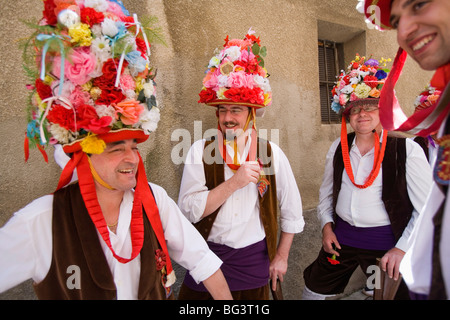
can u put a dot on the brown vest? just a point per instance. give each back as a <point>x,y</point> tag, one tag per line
<point>214,174</point>
<point>394,193</point>
<point>76,243</point>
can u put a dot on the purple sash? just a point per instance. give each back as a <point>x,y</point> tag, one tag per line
<point>244,269</point>
<point>370,238</point>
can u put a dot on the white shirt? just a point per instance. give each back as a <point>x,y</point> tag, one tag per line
<point>26,245</point>
<point>238,222</point>
<point>417,262</point>
<point>365,207</point>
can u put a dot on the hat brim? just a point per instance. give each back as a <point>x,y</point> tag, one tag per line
<point>112,136</point>
<point>385,12</point>
<point>216,103</point>
<point>360,102</point>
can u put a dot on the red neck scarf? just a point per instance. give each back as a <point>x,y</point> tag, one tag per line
<point>143,197</point>
<point>378,157</point>
<point>423,122</point>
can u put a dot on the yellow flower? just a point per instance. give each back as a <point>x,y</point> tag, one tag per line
<point>220,93</point>
<point>92,145</point>
<point>267,98</point>
<point>81,34</point>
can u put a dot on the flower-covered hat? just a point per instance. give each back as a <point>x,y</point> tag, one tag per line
<point>236,75</point>
<point>92,76</point>
<point>427,98</point>
<point>361,83</point>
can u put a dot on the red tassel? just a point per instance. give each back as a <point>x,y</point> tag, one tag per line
<point>44,154</point>
<point>26,148</point>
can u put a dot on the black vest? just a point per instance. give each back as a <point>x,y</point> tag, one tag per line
<point>394,193</point>
<point>76,243</point>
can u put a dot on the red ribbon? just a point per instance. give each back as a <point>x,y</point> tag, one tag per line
<point>423,122</point>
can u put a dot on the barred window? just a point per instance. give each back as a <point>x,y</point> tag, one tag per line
<point>330,54</point>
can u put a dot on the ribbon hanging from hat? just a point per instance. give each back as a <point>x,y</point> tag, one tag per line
<point>423,122</point>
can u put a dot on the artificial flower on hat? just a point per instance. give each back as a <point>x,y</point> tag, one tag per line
<point>363,80</point>
<point>427,98</point>
<point>236,74</point>
<point>88,64</point>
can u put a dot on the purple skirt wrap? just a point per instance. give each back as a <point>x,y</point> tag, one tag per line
<point>244,269</point>
<point>370,238</point>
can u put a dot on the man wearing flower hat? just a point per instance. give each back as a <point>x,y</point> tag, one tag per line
<point>373,188</point>
<point>234,206</point>
<point>423,32</point>
<point>109,234</point>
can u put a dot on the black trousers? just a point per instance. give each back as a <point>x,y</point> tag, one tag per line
<point>325,278</point>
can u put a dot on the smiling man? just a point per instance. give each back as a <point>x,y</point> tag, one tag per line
<point>229,190</point>
<point>423,32</point>
<point>111,234</point>
<point>373,188</point>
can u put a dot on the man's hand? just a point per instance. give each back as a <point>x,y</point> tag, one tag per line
<point>248,172</point>
<point>329,239</point>
<point>391,262</point>
<point>277,269</point>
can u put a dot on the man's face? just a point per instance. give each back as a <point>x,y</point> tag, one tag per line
<point>118,164</point>
<point>423,30</point>
<point>365,121</point>
<point>232,119</point>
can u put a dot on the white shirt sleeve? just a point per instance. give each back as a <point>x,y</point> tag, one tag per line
<point>289,199</point>
<point>419,179</point>
<point>193,191</point>
<point>26,244</point>
<point>325,207</point>
<point>186,246</point>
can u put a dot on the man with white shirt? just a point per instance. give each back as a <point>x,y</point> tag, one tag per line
<point>228,189</point>
<point>423,33</point>
<point>373,189</point>
<point>110,234</point>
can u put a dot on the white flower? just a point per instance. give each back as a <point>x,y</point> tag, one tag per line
<point>214,62</point>
<point>59,133</point>
<point>149,89</point>
<point>262,82</point>
<point>232,53</point>
<point>109,27</point>
<point>100,47</point>
<point>98,5</point>
<point>149,120</point>
<point>347,89</point>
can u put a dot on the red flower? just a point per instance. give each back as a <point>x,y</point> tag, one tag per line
<point>333,260</point>
<point>49,12</point>
<point>207,95</point>
<point>109,68</point>
<point>142,48</point>
<point>108,97</point>
<point>88,119</point>
<point>160,258</point>
<point>371,81</point>
<point>253,38</point>
<point>62,116</point>
<point>90,16</point>
<point>44,91</point>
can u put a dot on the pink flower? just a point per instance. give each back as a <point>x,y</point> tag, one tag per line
<point>237,79</point>
<point>78,66</point>
<point>79,96</point>
<point>245,56</point>
<point>127,82</point>
<point>343,99</point>
<point>211,82</point>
